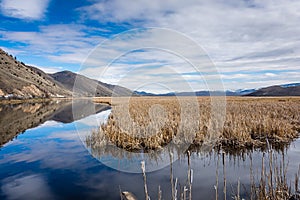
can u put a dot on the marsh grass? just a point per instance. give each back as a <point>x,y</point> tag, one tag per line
<point>152,123</point>
<point>178,192</point>
<point>269,182</point>
<point>273,182</point>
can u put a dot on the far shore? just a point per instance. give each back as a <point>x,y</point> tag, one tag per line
<point>40,100</point>
<point>108,100</point>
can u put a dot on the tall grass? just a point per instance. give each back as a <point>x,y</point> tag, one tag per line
<point>270,182</point>
<point>152,123</point>
<point>273,182</point>
<point>178,192</point>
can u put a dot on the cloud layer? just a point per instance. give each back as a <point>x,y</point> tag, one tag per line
<point>252,43</point>
<point>67,43</point>
<point>29,9</point>
<point>247,40</point>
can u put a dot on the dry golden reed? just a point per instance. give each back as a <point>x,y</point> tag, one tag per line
<point>145,123</point>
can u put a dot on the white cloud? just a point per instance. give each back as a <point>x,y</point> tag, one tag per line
<point>249,39</point>
<point>28,10</point>
<point>12,50</point>
<point>22,186</point>
<point>239,36</point>
<point>66,43</point>
<point>270,75</point>
<point>48,69</point>
<point>152,57</point>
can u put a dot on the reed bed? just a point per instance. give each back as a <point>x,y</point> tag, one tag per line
<point>273,182</point>
<point>270,181</point>
<point>150,123</point>
<point>178,192</point>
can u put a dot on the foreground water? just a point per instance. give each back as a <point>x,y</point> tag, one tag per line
<point>43,156</point>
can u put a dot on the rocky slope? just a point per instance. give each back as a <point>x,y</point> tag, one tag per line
<point>88,87</point>
<point>21,81</point>
<point>18,80</point>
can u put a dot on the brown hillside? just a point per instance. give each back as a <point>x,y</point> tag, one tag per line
<point>22,81</point>
<point>88,87</point>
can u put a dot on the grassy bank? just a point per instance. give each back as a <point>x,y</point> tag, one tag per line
<point>152,122</point>
<point>19,101</point>
<point>39,100</point>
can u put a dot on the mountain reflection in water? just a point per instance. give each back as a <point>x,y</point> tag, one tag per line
<point>17,118</point>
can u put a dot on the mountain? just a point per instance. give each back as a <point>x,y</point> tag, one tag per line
<point>278,90</point>
<point>88,87</point>
<point>197,93</point>
<point>291,89</point>
<point>143,93</point>
<point>242,92</point>
<point>18,80</point>
<point>21,81</point>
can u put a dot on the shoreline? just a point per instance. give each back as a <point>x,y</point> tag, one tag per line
<point>40,100</point>
<point>108,100</point>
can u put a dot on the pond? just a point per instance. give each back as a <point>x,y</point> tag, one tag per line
<point>43,155</point>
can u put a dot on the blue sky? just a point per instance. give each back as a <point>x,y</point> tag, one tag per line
<point>250,43</point>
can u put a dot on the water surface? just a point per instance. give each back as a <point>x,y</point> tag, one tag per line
<point>43,157</point>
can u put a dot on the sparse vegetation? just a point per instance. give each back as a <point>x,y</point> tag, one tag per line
<point>274,183</point>
<point>269,182</point>
<point>24,82</point>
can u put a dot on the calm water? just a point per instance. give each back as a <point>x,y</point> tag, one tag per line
<point>43,157</point>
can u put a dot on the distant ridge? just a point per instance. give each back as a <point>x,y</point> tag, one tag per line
<point>292,89</point>
<point>197,93</point>
<point>88,87</point>
<point>290,85</point>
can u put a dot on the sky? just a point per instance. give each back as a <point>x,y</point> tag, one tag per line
<point>159,46</point>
